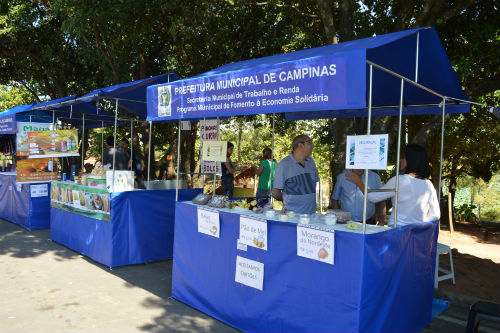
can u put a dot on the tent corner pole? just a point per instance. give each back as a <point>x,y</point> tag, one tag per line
<point>395,208</point>
<point>272,162</point>
<point>365,195</point>
<point>441,152</point>
<point>149,150</point>
<point>131,141</point>
<point>114,147</point>
<point>83,139</point>
<point>178,160</point>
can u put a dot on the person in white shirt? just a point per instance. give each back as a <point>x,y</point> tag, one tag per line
<point>417,198</point>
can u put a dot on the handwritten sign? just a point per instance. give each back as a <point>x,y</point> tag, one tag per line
<point>209,131</point>
<point>208,222</point>
<point>249,272</point>
<point>253,232</point>
<point>315,244</point>
<point>215,151</point>
<point>367,152</point>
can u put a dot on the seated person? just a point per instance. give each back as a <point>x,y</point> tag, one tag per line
<point>351,199</point>
<point>417,198</point>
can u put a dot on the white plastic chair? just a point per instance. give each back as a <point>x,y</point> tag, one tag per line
<point>449,274</point>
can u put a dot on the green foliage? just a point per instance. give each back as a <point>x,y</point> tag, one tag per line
<point>465,212</point>
<point>11,96</point>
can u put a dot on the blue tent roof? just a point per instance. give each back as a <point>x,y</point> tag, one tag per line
<point>131,96</point>
<point>323,82</point>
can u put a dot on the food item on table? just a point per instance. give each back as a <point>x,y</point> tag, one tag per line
<point>322,253</point>
<point>201,199</point>
<point>218,201</point>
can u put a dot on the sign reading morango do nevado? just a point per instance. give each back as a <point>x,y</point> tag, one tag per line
<point>311,84</point>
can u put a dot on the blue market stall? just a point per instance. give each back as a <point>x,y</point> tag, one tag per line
<point>379,281</point>
<point>25,204</point>
<point>118,228</point>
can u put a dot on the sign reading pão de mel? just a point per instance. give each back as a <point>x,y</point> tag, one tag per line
<point>253,232</point>
<point>208,222</point>
<point>367,152</point>
<point>249,272</point>
<point>315,244</point>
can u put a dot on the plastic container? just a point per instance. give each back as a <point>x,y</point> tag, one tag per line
<point>304,218</point>
<point>330,219</point>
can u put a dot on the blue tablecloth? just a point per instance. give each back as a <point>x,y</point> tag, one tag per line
<point>17,205</point>
<point>141,228</point>
<point>380,282</point>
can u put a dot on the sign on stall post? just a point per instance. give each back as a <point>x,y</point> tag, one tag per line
<point>315,244</point>
<point>249,272</point>
<point>56,143</point>
<point>208,222</point>
<point>367,152</point>
<point>22,148</point>
<point>215,151</point>
<point>253,232</point>
<point>209,131</point>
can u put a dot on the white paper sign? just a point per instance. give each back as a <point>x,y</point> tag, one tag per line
<point>249,272</point>
<point>367,152</point>
<point>124,180</point>
<point>41,190</point>
<point>315,244</point>
<point>185,125</point>
<point>209,131</point>
<point>208,222</point>
<point>241,246</point>
<point>19,187</point>
<point>253,232</point>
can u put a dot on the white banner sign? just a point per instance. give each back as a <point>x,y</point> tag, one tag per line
<point>41,190</point>
<point>315,244</point>
<point>253,232</point>
<point>209,131</point>
<point>367,152</point>
<point>208,222</point>
<point>249,272</point>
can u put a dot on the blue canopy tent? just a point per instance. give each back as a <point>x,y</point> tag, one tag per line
<point>402,73</point>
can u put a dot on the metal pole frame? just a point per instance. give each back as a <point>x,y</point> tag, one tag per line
<point>114,148</point>
<point>398,154</point>
<point>368,131</point>
<point>178,160</point>
<point>131,141</point>
<point>83,138</point>
<point>149,150</point>
<point>272,162</point>
<point>442,145</point>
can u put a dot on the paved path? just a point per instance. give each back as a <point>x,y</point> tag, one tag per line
<point>45,287</point>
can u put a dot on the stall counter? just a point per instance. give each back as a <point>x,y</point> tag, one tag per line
<point>140,227</point>
<point>381,281</point>
<point>25,204</point>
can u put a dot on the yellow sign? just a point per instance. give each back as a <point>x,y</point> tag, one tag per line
<point>36,170</point>
<point>55,143</point>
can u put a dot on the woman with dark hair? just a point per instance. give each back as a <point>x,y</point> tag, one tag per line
<point>417,199</point>
<point>227,167</point>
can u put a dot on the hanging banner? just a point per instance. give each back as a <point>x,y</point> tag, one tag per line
<point>325,82</point>
<point>88,201</point>
<point>315,244</point>
<point>55,143</point>
<point>367,152</point>
<point>209,131</point>
<point>36,170</point>
<point>23,128</point>
<point>8,124</point>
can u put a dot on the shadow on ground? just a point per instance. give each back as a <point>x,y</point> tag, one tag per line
<point>21,243</point>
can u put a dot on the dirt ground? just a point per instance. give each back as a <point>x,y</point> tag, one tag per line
<point>476,259</point>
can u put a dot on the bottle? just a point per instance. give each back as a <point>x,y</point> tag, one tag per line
<point>59,175</point>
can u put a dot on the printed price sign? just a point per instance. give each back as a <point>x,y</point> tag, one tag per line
<point>208,222</point>
<point>41,190</point>
<point>249,272</point>
<point>253,232</point>
<point>315,244</point>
